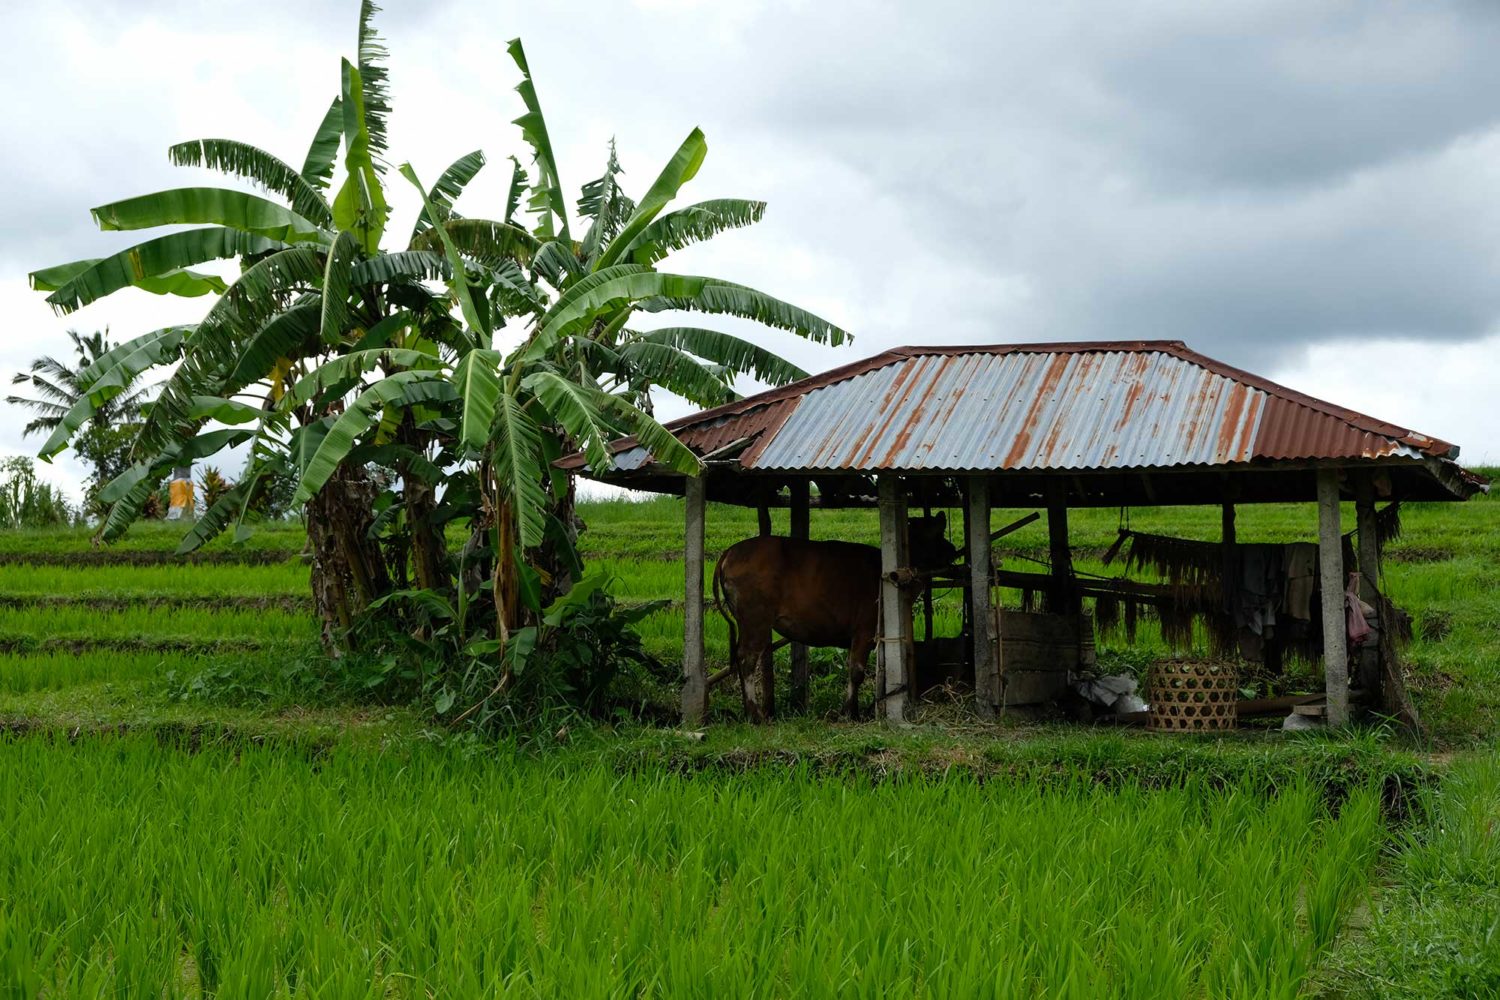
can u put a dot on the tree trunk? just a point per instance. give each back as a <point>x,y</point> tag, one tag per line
<point>348,570</point>
<point>429,549</point>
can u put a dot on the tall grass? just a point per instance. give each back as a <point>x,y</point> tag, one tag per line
<point>1435,931</point>
<point>257,871</point>
<point>76,621</point>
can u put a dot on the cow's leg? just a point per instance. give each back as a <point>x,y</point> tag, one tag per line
<point>768,683</point>
<point>755,644</point>
<point>859,655</point>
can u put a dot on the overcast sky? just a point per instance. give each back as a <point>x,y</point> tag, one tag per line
<point>1307,190</point>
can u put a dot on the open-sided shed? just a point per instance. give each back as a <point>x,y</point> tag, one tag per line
<point>1053,426</point>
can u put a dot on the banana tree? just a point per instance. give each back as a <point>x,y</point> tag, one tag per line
<point>411,388</point>
<point>596,286</point>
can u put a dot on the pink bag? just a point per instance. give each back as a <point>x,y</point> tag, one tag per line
<point>1355,625</point>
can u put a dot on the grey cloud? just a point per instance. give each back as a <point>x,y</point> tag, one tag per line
<point>1253,177</point>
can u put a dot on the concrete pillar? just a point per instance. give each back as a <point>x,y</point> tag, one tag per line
<point>893,666</point>
<point>695,680</point>
<point>799,528</point>
<point>1331,572</point>
<point>981,607</point>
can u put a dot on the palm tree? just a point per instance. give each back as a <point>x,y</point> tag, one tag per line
<point>58,387</point>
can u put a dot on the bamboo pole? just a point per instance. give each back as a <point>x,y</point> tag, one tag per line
<point>694,684</point>
<point>895,617</point>
<point>1369,583</point>
<point>800,523</point>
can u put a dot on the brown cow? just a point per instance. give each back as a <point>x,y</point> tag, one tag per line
<point>815,593</point>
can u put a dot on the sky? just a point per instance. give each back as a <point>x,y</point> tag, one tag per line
<point>1308,190</point>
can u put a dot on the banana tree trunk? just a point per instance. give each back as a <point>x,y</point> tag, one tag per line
<point>348,569</point>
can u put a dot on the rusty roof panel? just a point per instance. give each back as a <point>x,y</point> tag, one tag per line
<point>981,411</point>
<point>1295,431</point>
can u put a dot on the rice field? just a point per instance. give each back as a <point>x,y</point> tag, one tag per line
<point>262,871</point>
<point>324,851</point>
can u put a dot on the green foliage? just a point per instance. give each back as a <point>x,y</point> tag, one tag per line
<point>26,502</point>
<point>568,661</point>
<point>96,401</point>
<point>212,487</point>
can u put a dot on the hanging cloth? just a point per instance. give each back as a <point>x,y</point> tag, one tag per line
<point>1301,560</point>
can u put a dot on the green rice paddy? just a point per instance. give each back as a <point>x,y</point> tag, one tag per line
<point>160,846</point>
<point>262,872</point>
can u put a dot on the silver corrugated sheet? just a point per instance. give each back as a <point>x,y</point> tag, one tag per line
<point>986,411</point>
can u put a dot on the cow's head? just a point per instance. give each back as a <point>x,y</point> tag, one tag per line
<point>929,545</point>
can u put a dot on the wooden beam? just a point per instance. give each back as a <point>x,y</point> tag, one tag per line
<point>1230,562</point>
<point>895,611</point>
<point>694,683</point>
<point>1016,525</point>
<point>981,607</point>
<point>1331,572</point>
<point>799,528</point>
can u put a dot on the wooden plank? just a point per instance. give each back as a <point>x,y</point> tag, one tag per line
<point>981,604</point>
<point>1034,687</point>
<point>800,525</point>
<point>1274,706</point>
<point>1037,650</point>
<point>694,683</point>
<point>1331,571</point>
<point>895,617</point>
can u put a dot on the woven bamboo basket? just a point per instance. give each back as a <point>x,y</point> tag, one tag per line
<point>1193,697</point>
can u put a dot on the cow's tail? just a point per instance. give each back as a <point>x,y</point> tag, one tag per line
<point>723,606</point>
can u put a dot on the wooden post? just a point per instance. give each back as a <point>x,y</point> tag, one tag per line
<point>895,616</point>
<point>800,523</point>
<point>927,592</point>
<point>1369,583</point>
<point>1331,571</point>
<point>981,608</point>
<point>695,682</point>
<point>1063,599</point>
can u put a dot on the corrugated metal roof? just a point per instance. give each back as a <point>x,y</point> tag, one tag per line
<point>1034,407</point>
<point>1110,410</point>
